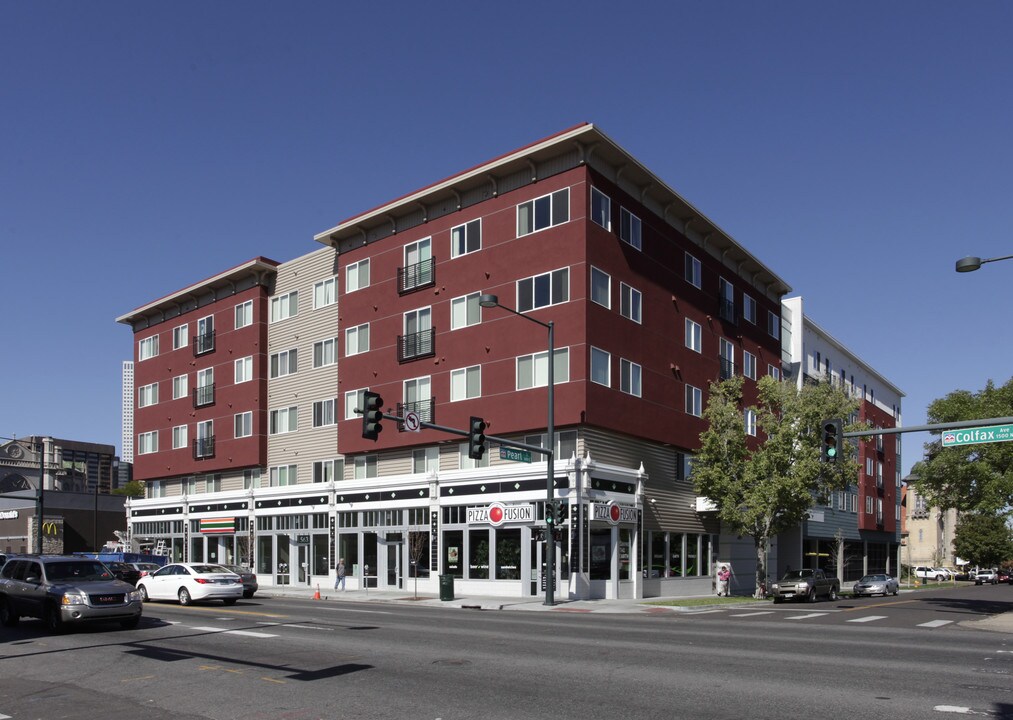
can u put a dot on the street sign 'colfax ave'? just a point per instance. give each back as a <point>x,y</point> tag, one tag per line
<point>972,436</point>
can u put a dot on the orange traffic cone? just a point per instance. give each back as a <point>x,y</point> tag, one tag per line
<point>316,595</point>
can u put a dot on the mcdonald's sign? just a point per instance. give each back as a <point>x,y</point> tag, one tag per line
<point>50,529</point>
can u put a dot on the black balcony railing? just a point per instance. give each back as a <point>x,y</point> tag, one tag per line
<point>726,310</point>
<point>727,369</point>
<point>426,410</point>
<point>417,345</point>
<point>204,395</point>
<point>204,343</point>
<point>204,448</point>
<point>415,277</point>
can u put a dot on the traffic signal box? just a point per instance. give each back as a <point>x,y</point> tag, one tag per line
<point>372,414</point>
<point>831,440</point>
<point>476,438</point>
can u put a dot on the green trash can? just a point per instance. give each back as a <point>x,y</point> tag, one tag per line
<point>446,587</point>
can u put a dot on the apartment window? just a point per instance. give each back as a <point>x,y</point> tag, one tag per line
<point>365,467</point>
<point>251,479</point>
<point>466,238</point>
<point>354,399</point>
<point>244,314</point>
<point>284,420</point>
<point>465,311</point>
<point>147,395</point>
<point>325,293</point>
<point>543,290</point>
<point>418,265</point>
<point>749,308</point>
<point>750,422</point>
<point>544,212</point>
<point>466,383</point>
<point>205,340</point>
<point>774,371</point>
<point>417,340</point>
<point>357,340</point>
<point>600,367</point>
<point>629,228</point>
<point>180,387</point>
<point>693,272</point>
<point>284,363</point>
<point>205,391</point>
<point>694,401</point>
<point>418,396</point>
<point>283,475</point>
<point>601,287</point>
<point>243,424</point>
<point>204,445</point>
<point>426,460</point>
<point>726,300</point>
<point>726,353</point>
<point>868,504</point>
<point>285,306</point>
<point>147,442</point>
<point>323,413</point>
<point>327,470</point>
<point>533,370</point>
<point>466,463</point>
<point>179,437</point>
<point>565,446</point>
<point>147,348</point>
<point>774,325</point>
<point>749,364</point>
<point>357,276</point>
<point>244,369</point>
<point>629,373</point>
<point>601,208</point>
<point>189,485</point>
<point>694,336</point>
<point>630,302</point>
<point>213,483</point>
<point>325,351</point>
<point>870,467</point>
<point>180,336</point>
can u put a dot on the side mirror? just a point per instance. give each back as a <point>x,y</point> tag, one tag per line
<point>33,579</point>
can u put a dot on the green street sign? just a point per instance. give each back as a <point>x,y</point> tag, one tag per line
<point>973,436</point>
<point>506,453</point>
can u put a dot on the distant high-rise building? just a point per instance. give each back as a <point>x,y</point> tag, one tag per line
<point>127,443</point>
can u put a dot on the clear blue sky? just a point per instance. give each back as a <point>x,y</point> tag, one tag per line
<point>858,149</point>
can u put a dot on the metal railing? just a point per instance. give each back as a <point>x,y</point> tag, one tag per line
<point>204,448</point>
<point>204,343</point>
<point>204,395</point>
<point>417,345</point>
<point>426,410</point>
<point>415,277</point>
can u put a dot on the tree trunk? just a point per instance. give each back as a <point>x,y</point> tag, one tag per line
<point>760,545</point>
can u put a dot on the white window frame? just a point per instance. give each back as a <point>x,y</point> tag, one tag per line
<point>552,199</point>
<point>244,369</point>
<point>325,413</point>
<point>357,340</point>
<point>428,458</point>
<point>630,377</point>
<point>147,395</point>
<point>147,442</point>
<point>325,292</point>
<point>285,306</point>
<point>602,215</point>
<point>325,471</point>
<point>213,483</point>
<point>357,276</point>
<point>461,238</point>
<point>749,364</point>
<point>180,387</point>
<point>243,315</point>
<point>774,371</point>
<point>694,401</point>
<point>283,363</point>
<point>147,348</point>
<point>467,463</point>
<point>462,379</point>
<point>630,229</point>
<point>694,336</point>
<point>597,355</point>
<point>773,325</point>
<point>179,437</point>
<point>282,421</point>
<point>466,305</point>
<point>283,475</point>
<point>631,303</point>
<point>596,275</point>
<point>749,417</point>
<point>251,478</point>
<point>536,366</point>
<point>693,271</point>
<point>749,308</point>
<point>354,399</point>
<point>366,466</point>
<point>180,336</point>
<point>325,352</point>
<point>527,296</point>
<point>242,425</point>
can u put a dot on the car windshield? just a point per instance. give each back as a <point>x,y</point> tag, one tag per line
<point>77,570</point>
<point>874,578</point>
<point>797,574</point>
<point>209,569</point>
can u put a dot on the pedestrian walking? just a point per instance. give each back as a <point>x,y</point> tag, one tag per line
<point>723,576</point>
<point>339,581</point>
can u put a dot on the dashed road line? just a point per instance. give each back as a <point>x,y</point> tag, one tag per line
<point>245,633</point>
<point>806,616</point>
<point>868,618</point>
<point>754,614</point>
<point>935,623</point>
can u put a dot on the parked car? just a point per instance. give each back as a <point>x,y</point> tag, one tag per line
<point>125,572</point>
<point>947,574</point>
<point>805,585</point>
<point>1005,575</point>
<point>925,572</point>
<point>986,576</point>
<point>189,582</point>
<point>63,591</point>
<point>250,585</point>
<point>145,568</point>
<point>876,585</point>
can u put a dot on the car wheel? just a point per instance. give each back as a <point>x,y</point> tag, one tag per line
<point>812,596</point>
<point>184,597</point>
<point>778,601</point>
<point>8,618</point>
<point>833,595</point>
<point>130,623</point>
<point>229,601</point>
<point>144,593</point>
<point>247,594</point>
<point>53,620</point>
<point>939,578</point>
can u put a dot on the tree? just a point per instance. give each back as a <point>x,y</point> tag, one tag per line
<point>975,478</point>
<point>983,539</point>
<point>134,488</point>
<point>769,489</point>
<point>418,547</point>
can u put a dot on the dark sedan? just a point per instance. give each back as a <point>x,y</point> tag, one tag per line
<point>250,585</point>
<point>125,572</point>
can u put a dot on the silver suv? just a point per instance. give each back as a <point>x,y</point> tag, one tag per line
<point>986,576</point>
<point>65,590</point>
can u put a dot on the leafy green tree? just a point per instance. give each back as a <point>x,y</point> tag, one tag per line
<point>984,539</point>
<point>768,489</point>
<point>134,488</point>
<point>975,478</point>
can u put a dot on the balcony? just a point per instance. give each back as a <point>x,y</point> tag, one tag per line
<point>415,277</point>
<point>204,448</point>
<point>204,395</point>
<point>417,345</point>
<point>727,369</point>
<point>203,343</point>
<point>726,311</point>
<point>426,410</point>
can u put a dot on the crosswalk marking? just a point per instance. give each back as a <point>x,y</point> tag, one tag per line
<point>246,633</point>
<point>806,616</point>
<point>868,618</point>
<point>935,623</point>
<point>754,614</point>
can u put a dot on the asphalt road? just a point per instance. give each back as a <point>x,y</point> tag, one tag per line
<point>297,659</point>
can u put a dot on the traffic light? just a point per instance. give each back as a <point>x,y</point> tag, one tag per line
<point>557,512</point>
<point>476,438</point>
<point>550,514</point>
<point>372,414</point>
<point>831,440</point>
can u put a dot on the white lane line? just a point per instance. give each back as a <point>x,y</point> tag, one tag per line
<point>954,709</point>
<point>805,617</point>
<point>295,625</point>
<point>754,614</point>
<point>247,633</point>
<point>937,623</point>
<point>5,717</point>
<point>869,618</point>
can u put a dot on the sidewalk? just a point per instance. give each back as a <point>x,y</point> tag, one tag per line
<point>1003,622</point>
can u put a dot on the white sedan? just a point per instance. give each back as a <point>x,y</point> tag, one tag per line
<point>188,582</point>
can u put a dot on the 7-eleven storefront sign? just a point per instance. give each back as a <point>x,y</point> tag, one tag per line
<point>217,525</point>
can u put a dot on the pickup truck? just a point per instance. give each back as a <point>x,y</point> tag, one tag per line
<point>805,585</point>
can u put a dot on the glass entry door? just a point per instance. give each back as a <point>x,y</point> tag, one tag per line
<point>394,576</point>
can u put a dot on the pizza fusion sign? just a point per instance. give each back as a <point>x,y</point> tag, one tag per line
<point>497,513</point>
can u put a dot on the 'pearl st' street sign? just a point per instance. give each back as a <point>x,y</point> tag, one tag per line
<point>972,436</point>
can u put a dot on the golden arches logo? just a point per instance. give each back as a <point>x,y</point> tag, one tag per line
<point>50,528</point>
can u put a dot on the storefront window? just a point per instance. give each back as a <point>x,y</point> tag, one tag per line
<point>370,567</point>
<point>625,552</point>
<point>657,567</point>
<point>348,550</point>
<point>675,555</point>
<point>265,555</point>
<point>321,560</point>
<point>418,553</point>
<point>453,553</point>
<point>284,560</point>
<point>564,554</point>
<point>692,556</point>
<point>478,557</point>
<point>197,549</point>
<point>601,554</point>
<point>508,554</point>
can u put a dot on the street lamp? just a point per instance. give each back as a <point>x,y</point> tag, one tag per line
<point>971,263</point>
<point>490,301</point>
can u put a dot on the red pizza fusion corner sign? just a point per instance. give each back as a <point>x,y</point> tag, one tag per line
<point>613,513</point>
<point>497,513</point>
